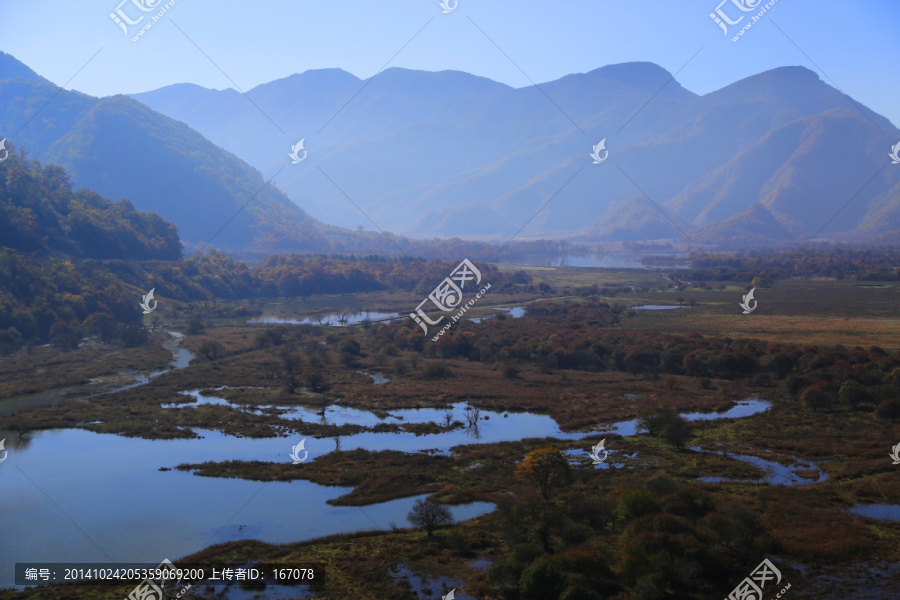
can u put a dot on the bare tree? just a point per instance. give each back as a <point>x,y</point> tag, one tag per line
<point>429,516</point>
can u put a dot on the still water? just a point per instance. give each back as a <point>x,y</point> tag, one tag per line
<point>744,408</point>
<point>883,512</point>
<point>71,495</point>
<point>333,319</point>
<point>774,473</point>
<point>74,495</point>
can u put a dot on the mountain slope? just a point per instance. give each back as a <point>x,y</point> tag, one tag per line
<point>123,149</point>
<point>753,226</point>
<point>178,164</point>
<point>804,173</point>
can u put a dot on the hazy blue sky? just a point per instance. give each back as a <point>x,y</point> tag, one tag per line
<point>854,43</point>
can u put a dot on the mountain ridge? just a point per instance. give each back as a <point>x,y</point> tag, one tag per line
<point>490,156</point>
<point>448,153</point>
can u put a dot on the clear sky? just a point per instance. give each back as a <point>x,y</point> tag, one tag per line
<point>853,45</point>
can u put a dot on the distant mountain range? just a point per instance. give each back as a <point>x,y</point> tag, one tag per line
<point>768,159</point>
<point>120,148</point>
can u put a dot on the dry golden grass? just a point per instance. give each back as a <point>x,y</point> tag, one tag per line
<point>825,331</point>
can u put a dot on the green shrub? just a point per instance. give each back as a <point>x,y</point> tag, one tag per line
<point>436,370</point>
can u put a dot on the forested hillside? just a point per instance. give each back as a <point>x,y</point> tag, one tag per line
<point>74,264</point>
<point>40,213</point>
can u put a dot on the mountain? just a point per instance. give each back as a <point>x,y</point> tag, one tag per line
<point>753,226</point>
<point>122,149</point>
<point>804,173</point>
<point>10,68</point>
<point>454,154</point>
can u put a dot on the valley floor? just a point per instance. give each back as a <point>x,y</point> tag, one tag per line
<point>649,521</point>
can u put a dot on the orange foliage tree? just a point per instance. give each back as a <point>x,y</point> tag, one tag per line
<point>546,467</point>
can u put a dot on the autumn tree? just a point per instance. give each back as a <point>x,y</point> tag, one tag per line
<point>547,468</point>
<point>759,282</point>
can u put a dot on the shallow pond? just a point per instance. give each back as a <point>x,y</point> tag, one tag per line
<point>77,496</point>
<point>492,427</point>
<point>127,510</point>
<point>775,472</point>
<point>334,319</point>
<point>579,457</point>
<point>743,408</point>
<point>515,312</point>
<point>427,588</point>
<point>882,512</point>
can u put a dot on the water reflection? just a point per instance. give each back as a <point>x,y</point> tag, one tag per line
<point>16,441</point>
<point>112,487</point>
<point>115,490</point>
